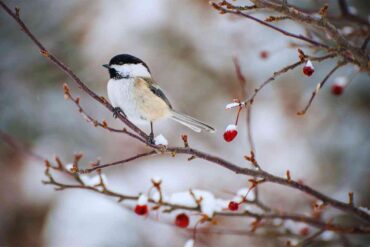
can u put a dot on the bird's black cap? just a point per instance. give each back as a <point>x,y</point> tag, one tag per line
<point>126,59</point>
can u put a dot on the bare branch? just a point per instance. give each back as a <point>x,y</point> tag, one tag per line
<point>342,44</point>
<point>349,52</point>
<point>118,162</point>
<point>103,124</point>
<point>250,101</point>
<point>286,33</point>
<point>311,238</point>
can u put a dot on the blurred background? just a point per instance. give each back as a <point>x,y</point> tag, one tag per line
<point>189,48</point>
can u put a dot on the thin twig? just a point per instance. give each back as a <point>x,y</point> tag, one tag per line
<point>242,83</point>
<point>95,122</point>
<point>311,238</point>
<point>342,44</point>
<point>286,33</point>
<point>119,162</point>
<point>282,71</point>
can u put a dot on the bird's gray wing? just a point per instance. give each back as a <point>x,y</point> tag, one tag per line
<point>154,87</point>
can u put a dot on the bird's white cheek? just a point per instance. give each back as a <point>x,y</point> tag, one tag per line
<point>131,70</point>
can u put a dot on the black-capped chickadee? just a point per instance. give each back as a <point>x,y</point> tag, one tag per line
<point>132,92</point>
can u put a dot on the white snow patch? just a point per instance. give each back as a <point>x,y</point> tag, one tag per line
<point>189,243</point>
<point>157,180</point>
<point>183,198</point>
<point>156,196</point>
<point>346,30</point>
<point>142,200</point>
<point>232,105</point>
<point>319,203</point>
<point>366,210</point>
<point>160,140</point>
<point>277,221</point>
<point>327,235</point>
<point>208,203</point>
<point>221,204</point>
<point>293,226</point>
<point>341,81</point>
<point>69,166</point>
<point>94,180</point>
<point>231,127</point>
<point>309,64</point>
<point>294,242</point>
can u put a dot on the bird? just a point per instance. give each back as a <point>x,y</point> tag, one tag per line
<point>134,94</point>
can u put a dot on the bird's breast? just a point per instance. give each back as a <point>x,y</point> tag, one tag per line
<point>136,100</point>
<point>120,94</point>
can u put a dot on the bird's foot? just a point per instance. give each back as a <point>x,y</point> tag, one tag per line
<point>150,139</point>
<point>117,111</point>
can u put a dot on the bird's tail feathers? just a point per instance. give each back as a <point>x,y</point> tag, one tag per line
<point>190,122</point>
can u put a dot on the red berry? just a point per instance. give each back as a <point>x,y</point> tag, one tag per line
<point>182,220</point>
<point>264,54</point>
<point>141,209</point>
<point>233,206</point>
<point>339,84</point>
<point>308,68</point>
<point>230,132</point>
<point>304,231</point>
<point>337,89</point>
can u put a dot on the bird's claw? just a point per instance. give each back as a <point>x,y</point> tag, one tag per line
<point>117,111</point>
<point>151,139</point>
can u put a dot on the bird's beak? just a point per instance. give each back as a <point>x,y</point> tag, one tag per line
<point>106,66</point>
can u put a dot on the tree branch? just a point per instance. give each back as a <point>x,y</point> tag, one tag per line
<point>199,154</point>
<point>349,52</point>
<point>67,70</point>
<point>286,33</point>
